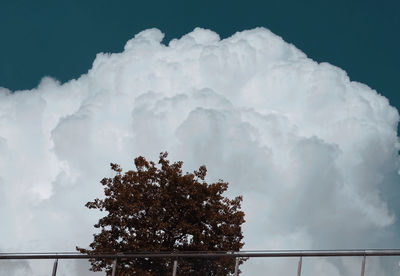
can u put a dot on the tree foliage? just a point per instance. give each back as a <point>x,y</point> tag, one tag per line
<point>158,208</point>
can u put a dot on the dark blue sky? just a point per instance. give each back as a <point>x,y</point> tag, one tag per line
<point>61,38</point>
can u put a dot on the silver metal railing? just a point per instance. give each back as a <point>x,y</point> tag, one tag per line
<point>237,255</point>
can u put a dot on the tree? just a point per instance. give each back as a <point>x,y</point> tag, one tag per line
<point>157,209</point>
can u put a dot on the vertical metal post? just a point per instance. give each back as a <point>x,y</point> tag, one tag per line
<point>114,268</point>
<point>363,266</point>
<point>55,267</point>
<point>299,266</point>
<point>174,268</point>
<point>237,267</point>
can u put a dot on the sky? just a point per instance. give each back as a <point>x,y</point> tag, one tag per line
<point>61,38</point>
<point>293,104</point>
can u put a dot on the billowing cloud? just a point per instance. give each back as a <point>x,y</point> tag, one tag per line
<point>314,154</point>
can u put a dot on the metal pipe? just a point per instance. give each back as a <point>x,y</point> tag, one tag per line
<point>299,266</point>
<point>363,266</point>
<point>280,253</point>
<point>237,267</point>
<point>175,268</point>
<point>114,268</point>
<point>55,268</point>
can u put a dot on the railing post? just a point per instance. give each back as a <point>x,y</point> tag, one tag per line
<point>174,268</point>
<point>55,267</point>
<point>363,266</point>
<point>299,266</point>
<point>237,267</point>
<point>114,268</point>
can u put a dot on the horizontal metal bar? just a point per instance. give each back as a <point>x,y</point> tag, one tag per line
<point>275,253</point>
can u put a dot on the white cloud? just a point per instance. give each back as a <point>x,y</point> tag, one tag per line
<point>312,153</point>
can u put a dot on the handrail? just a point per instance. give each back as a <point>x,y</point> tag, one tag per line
<point>211,254</point>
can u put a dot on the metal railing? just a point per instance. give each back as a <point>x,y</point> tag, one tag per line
<point>237,255</point>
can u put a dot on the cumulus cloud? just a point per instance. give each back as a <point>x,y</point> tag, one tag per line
<point>314,154</point>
